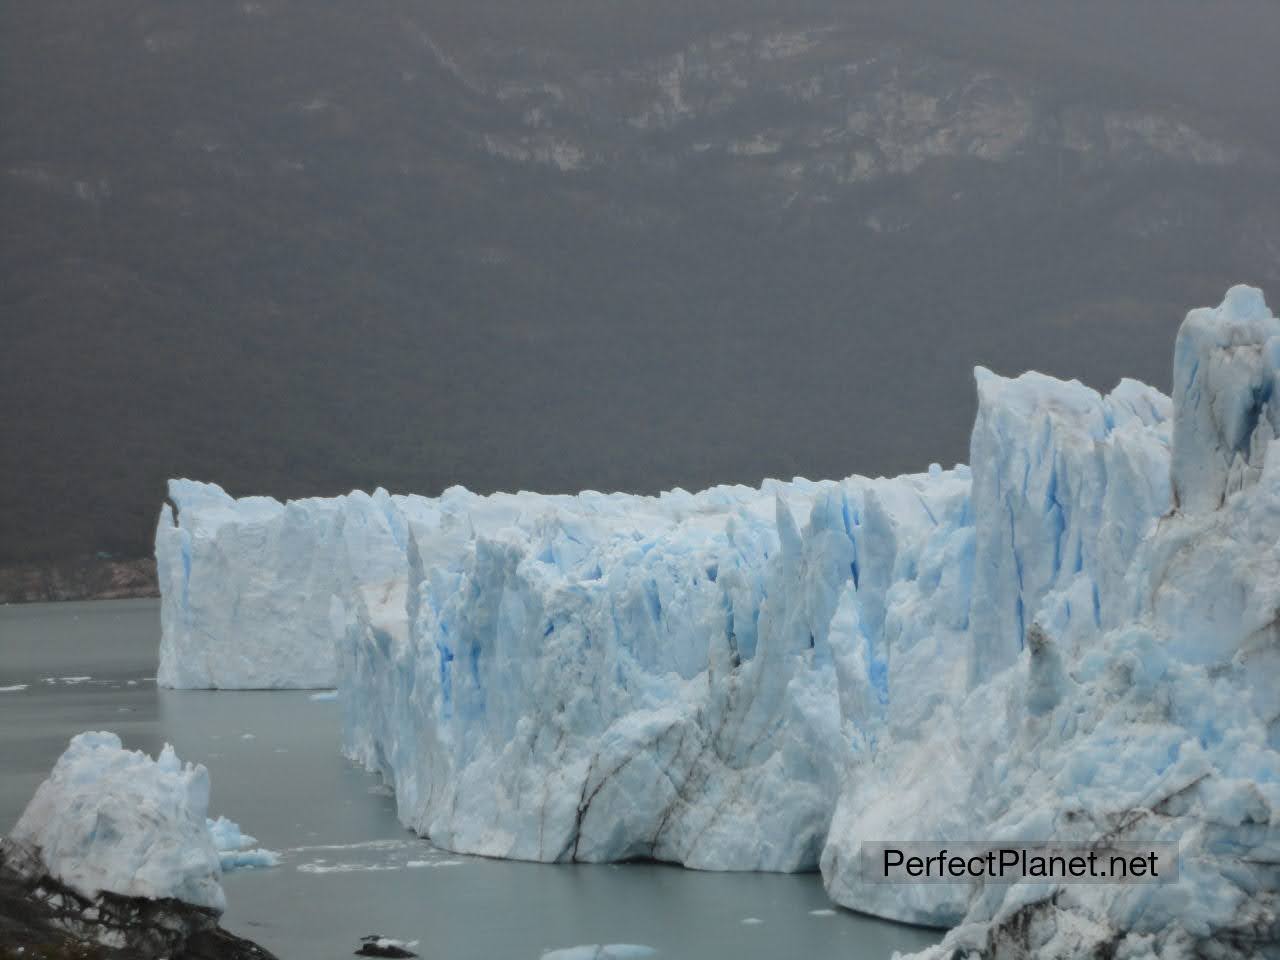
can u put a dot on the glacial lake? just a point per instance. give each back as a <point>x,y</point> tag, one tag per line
<point>348,867</point>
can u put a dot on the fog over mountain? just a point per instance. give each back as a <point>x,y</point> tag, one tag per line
<point>299,247</point>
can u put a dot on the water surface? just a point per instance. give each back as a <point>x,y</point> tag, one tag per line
<point>349,868</point>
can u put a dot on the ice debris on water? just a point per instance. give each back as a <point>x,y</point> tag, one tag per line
<point>601,951</point>
<point>236,849</point>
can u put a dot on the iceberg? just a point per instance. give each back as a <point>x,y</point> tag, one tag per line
<point>1074,637</point>
<point>114,820</point>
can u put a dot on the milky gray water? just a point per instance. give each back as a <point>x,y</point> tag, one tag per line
<point>348,867</point>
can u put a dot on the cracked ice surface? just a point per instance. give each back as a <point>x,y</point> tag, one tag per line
<point>1074,637</point>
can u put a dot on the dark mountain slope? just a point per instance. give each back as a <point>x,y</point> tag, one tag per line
<point>301,247</point>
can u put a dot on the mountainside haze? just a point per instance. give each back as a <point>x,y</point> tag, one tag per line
<point>296,248</point>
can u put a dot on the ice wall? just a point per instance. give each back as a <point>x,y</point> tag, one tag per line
<point>247,585</point>
<point>652,680</point>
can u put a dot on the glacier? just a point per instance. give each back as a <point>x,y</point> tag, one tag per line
<point>1073,637</point>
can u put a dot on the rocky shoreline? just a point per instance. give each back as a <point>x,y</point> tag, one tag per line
<point>43,918</point>
<point>79,578</point>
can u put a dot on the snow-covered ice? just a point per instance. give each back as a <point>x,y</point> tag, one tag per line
<point>1073,637</point>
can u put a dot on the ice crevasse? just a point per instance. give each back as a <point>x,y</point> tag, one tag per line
<point>1073,637</point>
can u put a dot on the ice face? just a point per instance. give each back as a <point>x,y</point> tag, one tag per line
<point>1224,380</point>
<point>1143,703</point>
<point>116,820</point>
<point>616,649</point>
<point>1065,484</point>
<point>1073,637</point>
<point>246,584</point>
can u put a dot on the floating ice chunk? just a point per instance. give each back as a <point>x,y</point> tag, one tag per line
<point>227,835</point>
<point>599,951</point>
<point>235,848</point>
<point>248,859</point>
<point>14,688</point>
<point>324,696</point>
<point>320,866</point>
